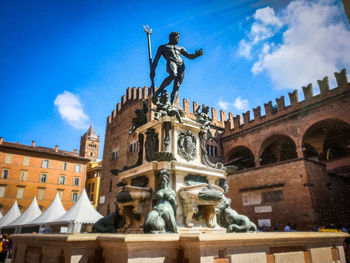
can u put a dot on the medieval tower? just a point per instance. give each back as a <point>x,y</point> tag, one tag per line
<point>90,144</point>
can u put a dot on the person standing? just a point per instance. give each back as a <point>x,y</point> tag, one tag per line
<point>5,248</point>
<point>287,228</point>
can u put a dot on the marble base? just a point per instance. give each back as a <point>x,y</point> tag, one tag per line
<point>202,230</point>
<point>301,247</point>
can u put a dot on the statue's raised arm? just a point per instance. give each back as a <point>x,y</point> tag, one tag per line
<point>175,66</point>
<point>196,54</point>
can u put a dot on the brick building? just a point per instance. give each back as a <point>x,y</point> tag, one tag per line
<point>29,170</point>
<point>120,148</point>
<point>294,162</point>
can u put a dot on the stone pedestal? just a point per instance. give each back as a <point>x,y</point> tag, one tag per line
<point>175,146</point>
<point>300,247</point>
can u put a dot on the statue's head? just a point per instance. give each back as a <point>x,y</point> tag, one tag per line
<point>174,37</point>
<point>164,178</point>
<point>205,109</point>
<point>164,97</point>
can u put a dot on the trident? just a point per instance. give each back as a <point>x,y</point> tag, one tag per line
<point>149,32</point>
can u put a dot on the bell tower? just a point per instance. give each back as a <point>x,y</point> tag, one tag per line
<point>89,144</point>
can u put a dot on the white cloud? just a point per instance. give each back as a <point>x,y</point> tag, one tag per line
<point>71,110</point>
<point>258,66</point>
<point>267,16</point>
<point>244,49</point>
<point>266,24</point>
<point>240,104</point>
<point>223,104</point>
<point>314,43</point>
<point>260,32</point>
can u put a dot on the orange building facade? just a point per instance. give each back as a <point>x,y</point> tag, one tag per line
<point>34,171</point>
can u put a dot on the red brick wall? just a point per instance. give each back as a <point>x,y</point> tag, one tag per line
<point>296,207</point>
<point>311,197</point>
<point>117,136</point>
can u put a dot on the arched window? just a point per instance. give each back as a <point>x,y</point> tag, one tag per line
<point>277,148</point>
<point>115,150</point>
<point>133,146</point>
<point>214,150</point>
<point>115,154</point>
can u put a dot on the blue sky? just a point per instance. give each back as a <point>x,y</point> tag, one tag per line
<point>65,64</point>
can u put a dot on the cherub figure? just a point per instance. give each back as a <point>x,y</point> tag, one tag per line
<point>164,108</point>
<point>203,117</point>
<point>141,117</point>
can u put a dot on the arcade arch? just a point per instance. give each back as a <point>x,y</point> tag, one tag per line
<point>277,148</point>
<point>241,157</point>
<point>326,140</point>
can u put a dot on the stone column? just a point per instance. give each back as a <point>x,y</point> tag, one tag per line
<point>300,153</point>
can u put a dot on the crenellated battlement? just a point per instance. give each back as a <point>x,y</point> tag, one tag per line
<point>234,124</point>
<point>133,95</point>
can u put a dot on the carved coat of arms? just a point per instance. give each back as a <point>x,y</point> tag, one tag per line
<point>187,146</point>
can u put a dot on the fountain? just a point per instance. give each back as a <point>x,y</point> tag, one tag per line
<point>171,205</point>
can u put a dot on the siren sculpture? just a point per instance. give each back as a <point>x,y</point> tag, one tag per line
<point>229,218</point>
<point>162,218</point>
<point>109,223</point>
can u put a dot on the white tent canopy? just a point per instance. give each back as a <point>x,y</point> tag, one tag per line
<point>32,212</point>
<point>11,215</point>
<point>54,211</point>
<point>82,212</point>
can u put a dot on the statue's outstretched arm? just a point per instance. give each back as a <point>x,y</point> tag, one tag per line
<point>196,54</point>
